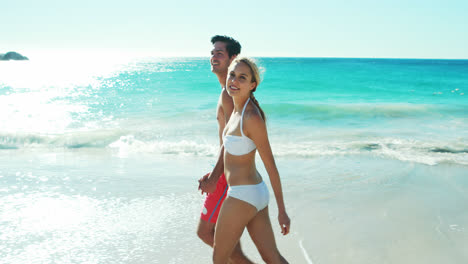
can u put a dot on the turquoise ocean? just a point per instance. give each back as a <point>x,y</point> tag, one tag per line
<point>99,158</point>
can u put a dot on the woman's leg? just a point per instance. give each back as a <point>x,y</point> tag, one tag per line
<point>261,232</point>
<point>233,217</point>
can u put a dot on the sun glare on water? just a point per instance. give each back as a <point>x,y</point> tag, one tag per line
<point>37,95</point>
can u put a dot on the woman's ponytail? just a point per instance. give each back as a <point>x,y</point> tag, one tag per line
<point>254,100</point>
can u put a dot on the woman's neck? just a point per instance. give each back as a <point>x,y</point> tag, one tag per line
<point>239,103</point>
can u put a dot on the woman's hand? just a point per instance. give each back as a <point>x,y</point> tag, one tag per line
<point>284,222</point>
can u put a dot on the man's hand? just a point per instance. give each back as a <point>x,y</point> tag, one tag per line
<point>206,185</point>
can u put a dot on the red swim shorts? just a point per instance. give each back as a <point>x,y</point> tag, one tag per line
<point>213,201</point>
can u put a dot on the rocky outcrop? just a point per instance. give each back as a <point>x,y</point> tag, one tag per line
<point>12,56</point>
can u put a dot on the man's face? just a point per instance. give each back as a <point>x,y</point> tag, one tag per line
<point>219,58</point>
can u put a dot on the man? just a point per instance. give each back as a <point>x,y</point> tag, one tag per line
<point>225,50</point>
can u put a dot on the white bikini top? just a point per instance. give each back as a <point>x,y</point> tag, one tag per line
<point>236,145</point>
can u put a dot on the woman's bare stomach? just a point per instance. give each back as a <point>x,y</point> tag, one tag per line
<point>241,170</point>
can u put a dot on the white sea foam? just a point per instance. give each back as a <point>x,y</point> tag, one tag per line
<point>430,153</point>
<point>128,144</point>
<point>411,150</point>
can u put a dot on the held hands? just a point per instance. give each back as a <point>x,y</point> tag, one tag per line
<point>206,185</point>
<point>284,222</point>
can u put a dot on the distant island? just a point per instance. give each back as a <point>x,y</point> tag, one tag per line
<point>12,56</point>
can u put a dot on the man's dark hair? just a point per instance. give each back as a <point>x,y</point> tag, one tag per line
<point>233,46</point>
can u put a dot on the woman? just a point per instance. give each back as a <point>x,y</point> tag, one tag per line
<point>246,204</point>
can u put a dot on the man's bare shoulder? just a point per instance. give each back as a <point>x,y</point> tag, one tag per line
<point>226,101</point>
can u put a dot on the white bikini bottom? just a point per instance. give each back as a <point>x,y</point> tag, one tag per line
<point>255,194</point>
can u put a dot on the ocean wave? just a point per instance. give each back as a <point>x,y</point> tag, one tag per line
<point>411,150</point>
<point>116,140</point>
<point>449,150</point>
<point>129,144</point>
<point>429,153</point>
<point>90,139</point>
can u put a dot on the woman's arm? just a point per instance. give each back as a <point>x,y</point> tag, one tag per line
<point>257,131</point>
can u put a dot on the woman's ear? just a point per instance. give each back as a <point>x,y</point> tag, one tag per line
<point>253,85</point>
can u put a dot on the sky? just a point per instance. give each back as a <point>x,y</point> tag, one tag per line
<point>286,28</point>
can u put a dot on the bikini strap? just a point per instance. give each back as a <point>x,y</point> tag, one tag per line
<point>242,117</point>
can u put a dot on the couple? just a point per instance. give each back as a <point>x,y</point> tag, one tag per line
<point>237,196</point>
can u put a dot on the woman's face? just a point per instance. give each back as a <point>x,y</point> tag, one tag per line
<point>239,80</point>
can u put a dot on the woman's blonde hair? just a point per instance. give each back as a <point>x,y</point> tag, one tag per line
<point>255,72</point>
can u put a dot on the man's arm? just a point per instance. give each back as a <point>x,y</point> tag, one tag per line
<point>208,182</point>
<point>224,113</point>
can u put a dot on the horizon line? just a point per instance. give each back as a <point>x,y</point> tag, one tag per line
<point>127,53</point>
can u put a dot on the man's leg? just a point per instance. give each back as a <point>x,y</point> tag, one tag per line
<point>205,232</point>
<point>209,216</point>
